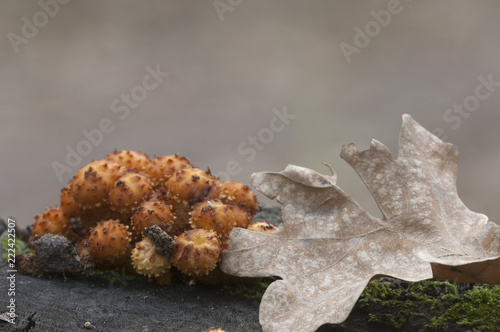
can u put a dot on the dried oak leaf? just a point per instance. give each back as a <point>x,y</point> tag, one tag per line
<point>328,248</point>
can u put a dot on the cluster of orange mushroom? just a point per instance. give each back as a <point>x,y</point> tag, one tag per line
<point>150,214</point>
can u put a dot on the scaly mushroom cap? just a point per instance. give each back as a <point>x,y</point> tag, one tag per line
<point>130,190</point>
<point>147,261</point>
<point>163,168</point>
<point>180,211</point>
<point>149,213</point>
<point>214,215</point>
<point>91,184</point>
<point>108,241</point>
<point>242,217</point>
<point>262,227</point>
<point>69,207</point>
<point>91,216</point>
<point>236,193</point>
<point>131,160</point>
<point>83,250</point>
<point>196,251</point>
<point>224,243</point>
<point>51,221</point>
<point>190,186</point>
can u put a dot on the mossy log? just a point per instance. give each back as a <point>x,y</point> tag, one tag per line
<point>76,303</point>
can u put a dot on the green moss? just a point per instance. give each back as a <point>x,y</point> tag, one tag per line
<point>390,320</point>
<point>479,308</point>
<point>113,276</point>
<point>437,323</point>
<point>250,291</point>
<point>19,246</point>
<point>391,307</point>
<point>377,291</point>
<point>397,305</point>
<point>387,320</point>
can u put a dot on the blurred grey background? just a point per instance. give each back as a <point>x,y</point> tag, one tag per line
<point>229,64</point>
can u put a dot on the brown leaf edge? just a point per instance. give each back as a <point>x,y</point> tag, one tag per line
<point>482,271</point>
